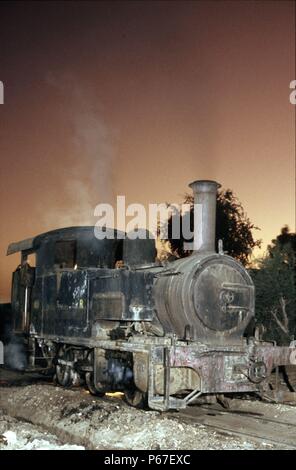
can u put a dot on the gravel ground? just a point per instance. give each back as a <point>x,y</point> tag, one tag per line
<point>56,418</point>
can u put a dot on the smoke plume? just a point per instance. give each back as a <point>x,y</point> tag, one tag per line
<point>87,179</point>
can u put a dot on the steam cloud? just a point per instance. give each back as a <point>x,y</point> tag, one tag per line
<point>14,355</point>
<point>89,172</point>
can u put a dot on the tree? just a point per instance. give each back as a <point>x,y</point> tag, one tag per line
<point>283,241</point>
<point>232,226</point>
<point>275,283</point>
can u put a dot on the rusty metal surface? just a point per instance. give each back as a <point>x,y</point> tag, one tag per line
<point>205,193</point>
<point>212,295</point>
<point>173,332</point>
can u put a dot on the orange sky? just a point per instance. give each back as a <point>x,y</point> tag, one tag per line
<point>141,98</point>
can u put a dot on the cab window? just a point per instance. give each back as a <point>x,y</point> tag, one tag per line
<point>65,253</point>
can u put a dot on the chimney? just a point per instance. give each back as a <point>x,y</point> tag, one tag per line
<point>205,194</point>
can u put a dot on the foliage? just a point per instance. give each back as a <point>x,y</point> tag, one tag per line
<point>232,226</point>
<point>275,283</point>
<point>283,241</point>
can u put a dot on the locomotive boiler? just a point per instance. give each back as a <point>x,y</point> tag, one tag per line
<point>107,313</point>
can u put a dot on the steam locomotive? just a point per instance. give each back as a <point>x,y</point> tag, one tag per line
<point>107,313</point>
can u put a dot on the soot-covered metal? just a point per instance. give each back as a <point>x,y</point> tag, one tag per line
<point>109,314</point>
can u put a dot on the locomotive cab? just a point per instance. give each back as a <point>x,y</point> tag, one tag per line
<point>50,297</point>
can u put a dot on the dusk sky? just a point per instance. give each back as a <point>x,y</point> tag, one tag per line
<point>139,99</point>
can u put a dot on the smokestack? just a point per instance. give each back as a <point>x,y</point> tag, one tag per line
<point>205,194</point>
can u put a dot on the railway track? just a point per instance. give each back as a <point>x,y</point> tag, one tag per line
<point>240,423</point>
<point>250,420</point>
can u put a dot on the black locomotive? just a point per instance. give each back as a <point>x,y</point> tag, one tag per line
<point>108,313</point>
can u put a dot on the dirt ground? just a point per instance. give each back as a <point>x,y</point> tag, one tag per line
<point>40,415</point>
<point>18,435</point>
